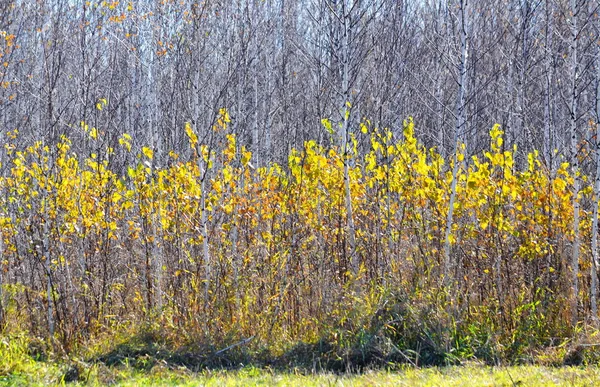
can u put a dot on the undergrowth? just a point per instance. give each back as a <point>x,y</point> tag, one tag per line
<point>397,332</point>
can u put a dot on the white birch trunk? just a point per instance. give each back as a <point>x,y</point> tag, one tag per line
<point>155,249</point>
<point>256,127</point>
<point>1,280</point>
<point>595,258</point>
<point>48,268</point>
<point>346,137</point>
<point>204,231</point>
<point>158,262</point>
<point>548,143</point>
<point>460,124</point>
<point>574,99</point>
<point>236,262</point>
<point>202,168</point>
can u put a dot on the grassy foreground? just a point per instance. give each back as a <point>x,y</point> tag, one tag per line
<point>25,361</point>
<point>472,375</point>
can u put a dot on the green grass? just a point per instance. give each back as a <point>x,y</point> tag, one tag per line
<point>27,362</point>
<point>160,375</point>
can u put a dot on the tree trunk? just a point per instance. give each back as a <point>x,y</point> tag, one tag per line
<point>460,124</point>
<point>48,268</point>
<point>1,280</point>
<point>345,135</point>
<point>596,196</point>
<point>574,99</point>
<point>205,250</point>
<point>594,268</point>
<point>548,71</point>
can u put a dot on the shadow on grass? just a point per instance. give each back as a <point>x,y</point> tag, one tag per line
<point>144,351</point>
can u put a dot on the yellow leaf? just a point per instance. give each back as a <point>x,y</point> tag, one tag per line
<point>229,152</point>
<point>101,103</point>
<point>148,152</point>
<point>191,135</point>
<point>246,155</point>
<point>217,186</point>
<point>125,141</point>
<point>371,161</point>
<point>227,175</point>
<point>496,132</point>
<point>327,124</point>
<point>225,115</point>
<point>228,208</point>
<point>222,120</point>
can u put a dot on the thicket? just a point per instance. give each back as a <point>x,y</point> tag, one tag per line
<point>204,251</point>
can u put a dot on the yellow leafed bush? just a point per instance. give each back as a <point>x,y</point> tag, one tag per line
<point>277,262</point>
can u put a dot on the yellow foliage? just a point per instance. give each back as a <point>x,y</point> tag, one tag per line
<point>149,153</point>
<point>400,194</point>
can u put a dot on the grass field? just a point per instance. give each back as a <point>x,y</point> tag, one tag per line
<point>97,375</point>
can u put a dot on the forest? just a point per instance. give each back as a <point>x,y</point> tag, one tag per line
<point>323,184</point>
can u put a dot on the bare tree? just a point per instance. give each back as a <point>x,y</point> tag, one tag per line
<point>596,195</point>
<point>460,114</point>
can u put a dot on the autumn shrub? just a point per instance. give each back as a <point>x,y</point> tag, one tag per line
<point>216,250</point>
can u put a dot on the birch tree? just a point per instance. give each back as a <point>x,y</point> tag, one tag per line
<point>1,280</point>
<point>573,55</point>
<point>460,114</point>
<point>596,195</point>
